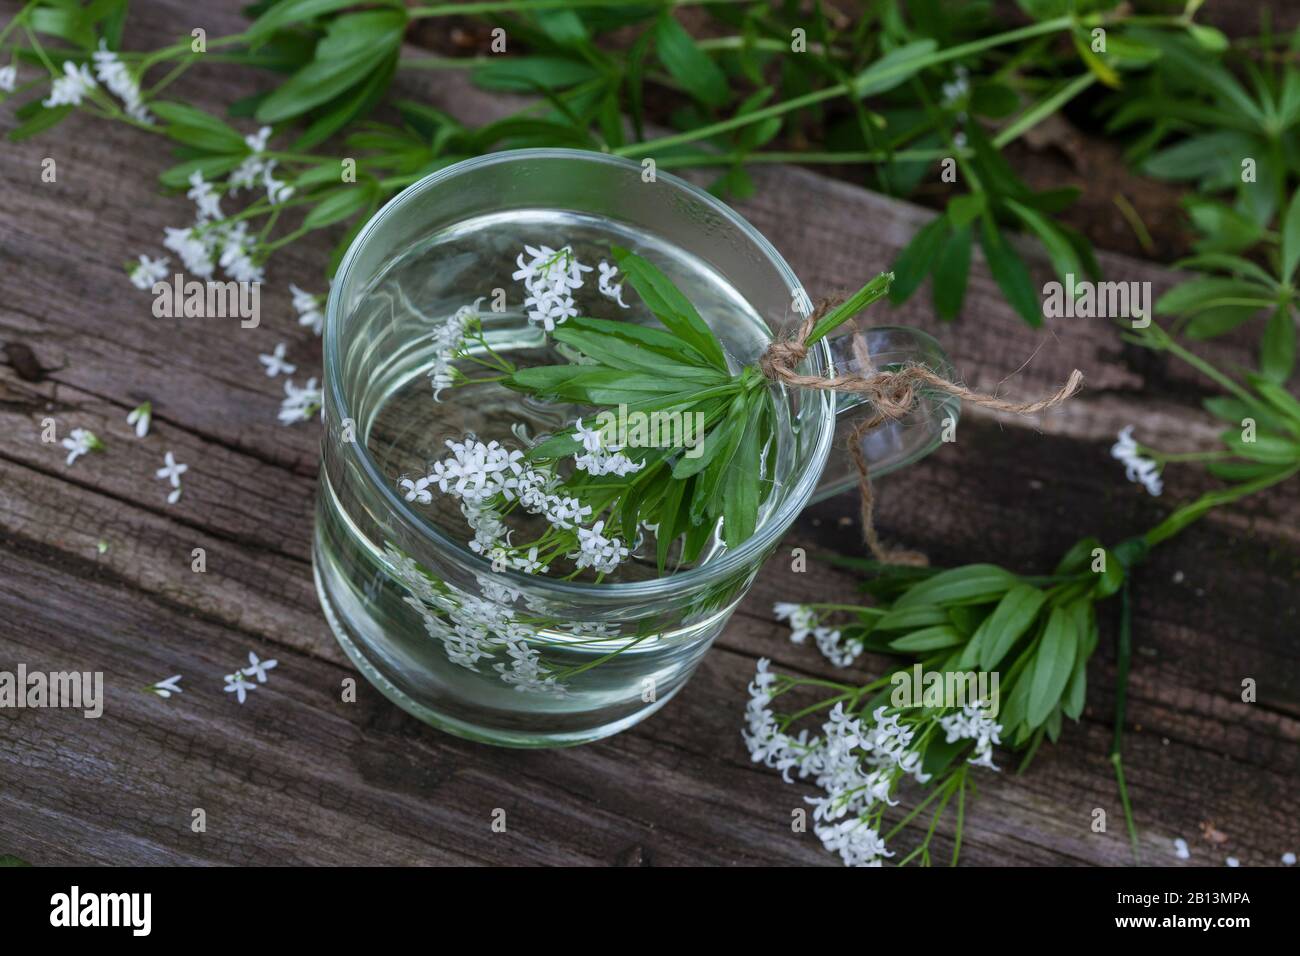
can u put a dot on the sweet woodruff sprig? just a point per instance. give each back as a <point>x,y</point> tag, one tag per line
<point>1035,633</point>
<point>702,462</point>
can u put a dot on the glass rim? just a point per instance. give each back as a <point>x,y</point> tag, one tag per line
<point>708,573</point>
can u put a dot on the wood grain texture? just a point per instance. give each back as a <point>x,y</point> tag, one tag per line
<point>297,776</point>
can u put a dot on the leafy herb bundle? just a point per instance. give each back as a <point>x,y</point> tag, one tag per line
<point>855,83</point>
<point>1037,632</point>
<point>625,479</point>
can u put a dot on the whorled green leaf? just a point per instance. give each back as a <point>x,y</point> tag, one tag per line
<point>1052,666</point>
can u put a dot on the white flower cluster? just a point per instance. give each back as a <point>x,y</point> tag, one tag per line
<point>599,458</point>
<point>70,88</point>
<point>112,72</point>
<point>256,168</point>
<point>550,276</point>
<point>856,765</point>
<point>804,621</point>
<point>478,474</point>
<point>971,723</point>
<point>958,88</point>
<point>447,339</point>
<point>211,242</point>
<point>597,551</point>
<point>476,628</point>
<point>300,403</point>
<point>8,78</point>
<point>1138,469</point>
<point>308,307</point>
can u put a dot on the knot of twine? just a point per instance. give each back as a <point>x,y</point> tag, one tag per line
<point>891,396</point>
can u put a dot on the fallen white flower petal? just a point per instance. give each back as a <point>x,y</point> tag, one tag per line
<point>79,442</point>
<point>165,688</point>
<point>275,362</point>
<point>140,417</point>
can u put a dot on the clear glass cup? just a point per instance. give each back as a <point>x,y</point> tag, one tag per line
<point>528,660</point>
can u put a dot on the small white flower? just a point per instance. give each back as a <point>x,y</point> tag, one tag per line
<point>597,551</point>
<point>275,362</point>
<point>828,642</point>
<point>593,439</point>
<point>417,490</point>
<point>528,563</point>
<point>1138,469</point>
<point>140,417</point>
<point>1288,859</point>
<point>195,247</point>
<point>165,688</point>
<point>237,249</point>
<point>1180,849</point>
<point>1232,861</point>
<point>956,89</point>
<point>802,619</point>
<point>276,190</point>
<point>246,175</point>
<point>148,271</point>
<point>81,441</point>
<point>239,685</point>
<point>972,724</point>
<point>69,89</point>
<point>608,288</point>
<point>172,471</point>
<point>207,199</point>
<point>8,78</point>
<point>308,308</point>
<point>300,404</point>
<point>258,668</point>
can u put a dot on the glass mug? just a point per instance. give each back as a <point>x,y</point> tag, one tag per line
<point>530,660</point>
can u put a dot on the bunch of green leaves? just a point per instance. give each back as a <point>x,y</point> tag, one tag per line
<point>1237,289</point>
<point>1038,633</point>
<point>341,57</point>
<point>996,201</point>
<point>1208,114</point>
<point>997,198</point>
<point>679,369</point>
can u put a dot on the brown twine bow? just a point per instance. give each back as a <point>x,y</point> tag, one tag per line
<point>891,395</point>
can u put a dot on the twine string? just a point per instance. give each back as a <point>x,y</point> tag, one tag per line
<point>891,395</point>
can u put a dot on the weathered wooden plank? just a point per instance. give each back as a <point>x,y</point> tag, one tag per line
<point>369,784</point>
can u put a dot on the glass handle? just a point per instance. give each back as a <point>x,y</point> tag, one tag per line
<point>897,443</point>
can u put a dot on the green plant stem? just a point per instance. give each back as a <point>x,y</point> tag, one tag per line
<point>1187,456</point>
<point>869,293</point>
<point>1185,515</point>
<point>771,44</point>
<point>1122,658</point>
<point>1043,109</point>
<point>845,89</point>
